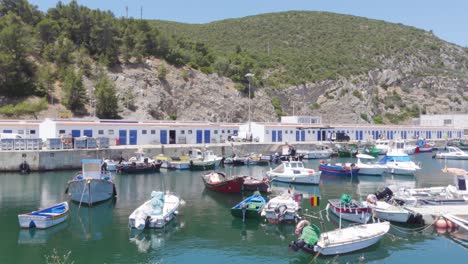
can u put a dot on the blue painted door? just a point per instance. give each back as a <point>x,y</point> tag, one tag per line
<point>303,135</point>
<point>133,137</point>
<point>199,136</point>
<point>319,135</point>
<point>273,136</point>
<point>163,136</point>
<point>235,132</point>
<point>7,131</point>
<point>361,135</point>
<point>123,137</point>
<point>207,136</point>
<point>88,133</point>
<point>450,134</point>
<point>280,135</point>
<point>298,136</point>
<point>76,133</point>
<point>428,134</point>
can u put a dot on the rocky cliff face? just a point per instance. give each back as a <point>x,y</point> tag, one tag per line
<point>394,94</point>
<point>184,94</point>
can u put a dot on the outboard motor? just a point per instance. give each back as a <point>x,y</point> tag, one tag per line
<point>296,245</point>
<point>385,195</point>
<point>461,182</point>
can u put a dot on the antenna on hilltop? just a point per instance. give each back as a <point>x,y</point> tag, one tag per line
<point>141,12</point>
<point>126,11</point>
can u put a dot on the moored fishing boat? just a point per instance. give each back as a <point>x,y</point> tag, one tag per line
<point>367,167</point>
<point>91,185</point>
<point>205,160</point>
<point>45,218</point>
<point>253,184</point>
<point>139,164</point>
<point>317,152</point>
<point>251,207</point>
<point>294,172</point>
<point>349,209</point>
<point>388,211</point>
<point>156,212</point>
<point>219,182</point>
<point>338,169</point>
<point>338,241</point>
<point>452,153</point>
<point>398,162</point>
<point>281,209</point>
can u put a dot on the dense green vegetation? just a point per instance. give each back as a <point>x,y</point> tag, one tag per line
<point>299,46</point>
<point>43,51</point>
<point>71,38</point>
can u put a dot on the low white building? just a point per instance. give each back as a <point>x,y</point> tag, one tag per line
<point>128,132</point>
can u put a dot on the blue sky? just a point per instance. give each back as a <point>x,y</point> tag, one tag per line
<point>448,19</point>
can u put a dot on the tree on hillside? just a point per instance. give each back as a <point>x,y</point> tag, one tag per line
<point>24,108</point>
<point>28,13</point>
<point>16,71</point>
<point>74,92</point>
<point>45,80</point>
<point>106,99</point>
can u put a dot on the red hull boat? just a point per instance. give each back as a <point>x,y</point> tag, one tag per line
<point>218,182</point>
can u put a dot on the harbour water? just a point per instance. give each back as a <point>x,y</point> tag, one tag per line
<point>205,231</point>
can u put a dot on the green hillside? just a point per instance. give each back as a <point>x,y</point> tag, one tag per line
<point>297,46</point>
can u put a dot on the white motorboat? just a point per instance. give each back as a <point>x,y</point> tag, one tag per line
<point>281,209</point>
<point>367,167</point>
<point>91,185</point>
<point>398,162</point>
<point>205,160</point>
<point>452,153</point>
<point>318,152</point>
<point>155,213</point>
<point>445,195</point>
<point>110,165</point>
<point>338,241</point>
<point>294,172</point>
<point>382,145</point>
<point>388,211</point>
<point>45,218</point>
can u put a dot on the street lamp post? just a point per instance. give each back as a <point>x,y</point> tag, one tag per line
<point>249,76</point>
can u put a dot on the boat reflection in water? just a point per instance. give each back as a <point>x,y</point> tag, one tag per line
<point>371,184</point>
<point>247,228</point>
<point>154,239</point>
<point>90,223</point>
<point>283,232</point>
<point>39,236</point>
<point>278,188</point>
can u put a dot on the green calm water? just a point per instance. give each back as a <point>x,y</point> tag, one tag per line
<point>204,232</point>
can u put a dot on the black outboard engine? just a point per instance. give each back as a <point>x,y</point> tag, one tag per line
<point>296,245</point>
<point>385,195</point>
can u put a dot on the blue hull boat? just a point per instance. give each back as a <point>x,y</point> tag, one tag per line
<point>339,170</point>
<point>251,207</point>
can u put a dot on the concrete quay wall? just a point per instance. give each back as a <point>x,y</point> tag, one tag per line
<point>46,160</point>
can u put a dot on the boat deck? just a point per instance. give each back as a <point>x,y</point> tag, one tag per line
<point>438,210</point>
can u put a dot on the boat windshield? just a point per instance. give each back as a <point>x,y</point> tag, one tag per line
<point>398,159</point>
<point>296,165</point>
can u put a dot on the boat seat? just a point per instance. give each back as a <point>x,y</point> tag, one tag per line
<point>254,205</point>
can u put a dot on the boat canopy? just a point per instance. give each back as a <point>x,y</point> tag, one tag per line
<point>91,168</point>
<point>395,159</point>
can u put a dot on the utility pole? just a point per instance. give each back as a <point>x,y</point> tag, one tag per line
<point>141,12</point>
<point>249,76</point>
